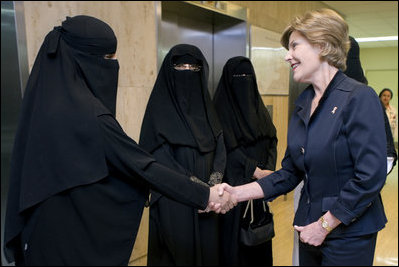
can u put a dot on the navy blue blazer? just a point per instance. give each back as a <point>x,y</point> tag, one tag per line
<point>340,153</point>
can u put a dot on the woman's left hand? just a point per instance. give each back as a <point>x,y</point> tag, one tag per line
<point>259,173</point>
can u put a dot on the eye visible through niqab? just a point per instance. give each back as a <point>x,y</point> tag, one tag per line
<point>242,75</point>
<point>110,56</point>
<point>185,66</point>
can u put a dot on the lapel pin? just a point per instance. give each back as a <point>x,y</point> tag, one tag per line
<point>334,109</point>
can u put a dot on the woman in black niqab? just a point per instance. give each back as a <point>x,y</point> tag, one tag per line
<point>78,183</point>
<point>251,144</point>
<point>180,128</point>
<point>57,119</point>
<point>182,98</point>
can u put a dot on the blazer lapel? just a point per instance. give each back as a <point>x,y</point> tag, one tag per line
<point>303,105</point>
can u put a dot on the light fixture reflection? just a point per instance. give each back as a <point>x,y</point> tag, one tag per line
<point>268,48</point>
<point>377,39</point>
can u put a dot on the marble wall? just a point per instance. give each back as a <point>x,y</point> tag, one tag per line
<point>275,15</point>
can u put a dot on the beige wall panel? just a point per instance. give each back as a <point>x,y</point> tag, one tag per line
<point>280,118</point>
<point>131,104</point>
<point>275,15</point>
<point>139,254</point>
<point>268,59</point>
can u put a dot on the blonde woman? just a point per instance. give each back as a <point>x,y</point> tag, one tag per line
<point>336,145</point>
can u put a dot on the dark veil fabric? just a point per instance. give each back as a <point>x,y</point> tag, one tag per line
<point>240,108</point>
<point>251,142</point>
<point>178,116</point>
<point>180,124</point>
<point>57,145</point>
<point>181,129</point>
<point>353,66</point>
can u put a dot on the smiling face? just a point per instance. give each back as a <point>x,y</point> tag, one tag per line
<point>303,58</point>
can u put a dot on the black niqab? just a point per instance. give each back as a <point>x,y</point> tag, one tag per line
<point>238,103</point>
<point>58,145</point>
<point>353,66</point>
<point>251,141</point>
<point>180,128</point>
<point>186,119</point>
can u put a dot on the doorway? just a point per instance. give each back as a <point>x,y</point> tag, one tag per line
<point>219,33</point>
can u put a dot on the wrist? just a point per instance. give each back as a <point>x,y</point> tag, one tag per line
<point>248,191</point>
<point>325,225</point>
<point>256,173</point>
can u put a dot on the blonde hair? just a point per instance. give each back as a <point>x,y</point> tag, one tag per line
<point>326,29</point>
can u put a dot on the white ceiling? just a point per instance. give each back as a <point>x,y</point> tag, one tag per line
<point>369,19</point>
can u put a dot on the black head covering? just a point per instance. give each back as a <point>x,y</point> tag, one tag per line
<point>354,68</point>
<point>180,110</point>
<point>240,108</point>
<point>58,144</point>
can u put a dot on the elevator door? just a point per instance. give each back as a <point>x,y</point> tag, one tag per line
<point>218,36</point>
<point>14,74</point>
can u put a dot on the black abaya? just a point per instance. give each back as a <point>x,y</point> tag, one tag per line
<point>78,183</point>
<point>180,128</point>
<point>251,141</point>
<point>97,224</point>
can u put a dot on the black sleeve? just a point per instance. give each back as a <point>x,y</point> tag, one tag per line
<point>272,154</point>
<point>164,154</point>
<point>238,159</point>
<point>124,154</point>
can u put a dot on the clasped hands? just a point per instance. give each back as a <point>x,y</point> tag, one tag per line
<point>224,197</point>
<point>220,201</point>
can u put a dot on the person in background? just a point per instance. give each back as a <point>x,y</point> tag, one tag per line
<point>390,127</point>
<point>181,129</point>
<point>78,183</point>
<point>386,95</point>
<point>392,155</point>
<point>336,145</point>
<point>251,145</point>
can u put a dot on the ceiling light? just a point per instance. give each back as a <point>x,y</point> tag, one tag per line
<point>268,48</point>
<point>377,39</point>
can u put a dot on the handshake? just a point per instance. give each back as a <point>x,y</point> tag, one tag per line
<point>224,197</point>
<point>220,200</point>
